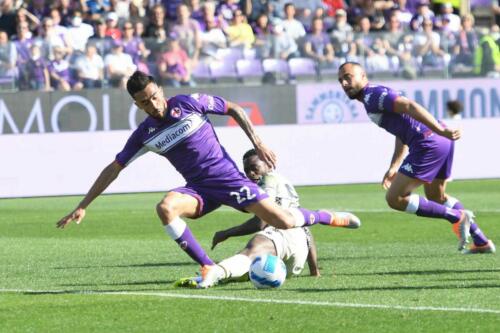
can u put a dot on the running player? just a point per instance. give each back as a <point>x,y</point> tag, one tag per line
<point>179,129</point>
<point>430,145</point>
<point>294,246</point>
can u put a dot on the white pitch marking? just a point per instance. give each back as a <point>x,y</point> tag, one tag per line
<point>258,300</point>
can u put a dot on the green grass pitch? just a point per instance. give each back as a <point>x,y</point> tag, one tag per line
<point>114,272</point>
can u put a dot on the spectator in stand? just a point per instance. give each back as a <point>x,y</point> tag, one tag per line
<point>60,29</point>
<point>39,8</point>
<point>292,26</point>
<point>156,44</point>
<point>97,8</point>
<point>170,8</point>
<point>319,13</point>
<point>139,29</point>
<point>331,6</point>
<point>79,32</point>
<point>101,42</point>
<point>352,54</point>
<point>364,37</point>
<point>37,74</point>
<point>112,29</point>
<point>448,18</point>
<point>209,17</point>
<point>467,41</point>
<point>196,10</point>
<point>23,15</point>
<point>8,56</point>
<point>426,45</point>
<point>23,42</point>
<point>283,46</point>
<point>59,71</point>
<point>90,68</point>
<point>253,8</point>
<point>157,22</point>
<point>66,8</point>
<point>393,36</point>
<point>404,14</point>
<point>118,65</point>
<point>188,32</point>
<point>377,60</point>
<point>132,45</point>
<point>137,12</point>
<point>227,9</point>
<point>8,17</point>
<point>423,13</point>
<point>263,36</point>
<point>122,9</point>
<point>239,33</point>
<point>49,39</point>
<point>212,39</point>
<point>487,55</point>
<point>342,33</point>
<point>318,46</point>
<point>174,65</point>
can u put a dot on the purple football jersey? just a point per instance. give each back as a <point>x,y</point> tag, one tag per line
<point>379,105</point>
<point>187,139</point>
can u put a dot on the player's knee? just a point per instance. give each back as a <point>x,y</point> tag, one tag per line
<point>394,201</point>
<point>166,209</point>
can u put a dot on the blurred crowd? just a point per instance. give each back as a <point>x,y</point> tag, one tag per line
<point>72,45</point>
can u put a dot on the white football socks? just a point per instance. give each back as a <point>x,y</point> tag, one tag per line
<point>236,266</point>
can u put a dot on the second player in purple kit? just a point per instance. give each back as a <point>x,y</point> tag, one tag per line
<point>423,155</point>
<point>179,130</point>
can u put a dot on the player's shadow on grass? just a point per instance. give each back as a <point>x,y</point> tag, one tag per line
<point>155,264</point>
<point>399,288</point>
<point>133,283</point>
<point>425,272</point>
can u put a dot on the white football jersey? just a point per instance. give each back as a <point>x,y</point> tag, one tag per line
<point>280,190</point>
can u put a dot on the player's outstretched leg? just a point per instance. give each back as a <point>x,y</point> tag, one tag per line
<point>324,217</point>
<point>399,197</point>
<point>169,210</point>
<point>481,244</point>
<point>230,268</point>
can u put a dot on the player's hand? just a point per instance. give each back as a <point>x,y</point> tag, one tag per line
<point>266,155</point>
<point>388,178</point>
<point>452,134</point>
<point>219,237</point>
<point>77,215</point>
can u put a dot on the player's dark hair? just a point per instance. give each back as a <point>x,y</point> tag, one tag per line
<point>251,152</point>
<point>454,106</point>
<point>138,81</point>
<point>353,63</point>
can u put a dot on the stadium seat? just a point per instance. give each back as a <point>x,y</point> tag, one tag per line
<point>7,83</point>
<point>302,69</point>
<point>249,70</point>
<point>278,68</point>
<point>331,72</point>
<point>250,53</point>
<point>223,72</point>
<point>201,73</point>
<point>230,54</point>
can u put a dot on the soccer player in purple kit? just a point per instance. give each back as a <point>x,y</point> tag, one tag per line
<point>179,129</point>
<point>429,145</point>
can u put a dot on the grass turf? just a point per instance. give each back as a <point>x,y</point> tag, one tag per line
<point>395,260</point>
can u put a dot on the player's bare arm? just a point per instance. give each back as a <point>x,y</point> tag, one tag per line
<point>241,118</point>
<point>400,151</point>
<point>107,176</point>
<point>248,227</point>
<point>417,112</point>
<point>312,258</point>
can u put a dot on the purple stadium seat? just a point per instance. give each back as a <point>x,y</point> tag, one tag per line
<point>250,53</point>
<point>278,67</point>
<point>201,73</point>
<point>302,68</point>
<point>223,71</point>
<point>230,54</point>
<point>249,70</point>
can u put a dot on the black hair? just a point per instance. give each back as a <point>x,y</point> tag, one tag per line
<point>454,106</point>
<point>250,153</point>
<point>288,4</point>
<point>353,63</point>
<point>138,81</point>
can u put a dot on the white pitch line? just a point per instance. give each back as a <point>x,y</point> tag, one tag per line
<point>259,300</point>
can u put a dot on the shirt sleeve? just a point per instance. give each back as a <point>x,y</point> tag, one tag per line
<point>211,104</point>
<point>381,100</point>
<point>132,150</point>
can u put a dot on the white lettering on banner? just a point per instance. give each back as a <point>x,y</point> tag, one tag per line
<point>105,113</point>
<point>331,106</point>
<point>170,136</point>
<point>5,114</point>
<point>73,99</point>
<point>36,113</point>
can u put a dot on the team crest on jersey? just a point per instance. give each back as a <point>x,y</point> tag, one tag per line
<point>176,112</point>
